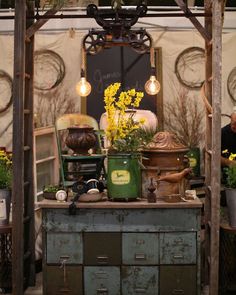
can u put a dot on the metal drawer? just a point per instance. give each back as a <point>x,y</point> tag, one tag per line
<point>178,248</point>
<point>56,281</point>
<point>140,248</point>
<point>104,280</point>
<point>140,280</point>
<point>110,220</point>
<point>64,246</point>
<point>178,280</point>
<point>102,248</point>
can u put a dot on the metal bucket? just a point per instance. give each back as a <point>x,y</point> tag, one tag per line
<point>194,160</point>
<point>124,176</point>
<point>5,202</point>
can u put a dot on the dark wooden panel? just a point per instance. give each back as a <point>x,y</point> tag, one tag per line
<point>60,282</point>
<point>102,248</point>
<point>178,280</point>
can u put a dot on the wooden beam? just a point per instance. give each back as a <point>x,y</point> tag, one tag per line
<point>194,20</point>
<point>216,143</point>
<point>208,137</point>
<point>18,153</point>
<point>29,233</point>
<point>39,23</point>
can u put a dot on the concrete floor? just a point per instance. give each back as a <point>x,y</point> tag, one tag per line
<point>37,290</point>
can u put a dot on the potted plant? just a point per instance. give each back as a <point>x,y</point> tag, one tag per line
<point>5,185</point>
<point>49,191</point>
<point>126,137</point>
<point>230,191</point>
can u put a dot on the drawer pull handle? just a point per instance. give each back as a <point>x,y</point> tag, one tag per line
<point>102,259</point>
<point>101,274</point>
<point>178,291</point>
<point>102,291</point>
<point>178,256</point>
<point>64,290</point>
<point>140,290</point>
<point>140,256</point>
<point>64,259</point>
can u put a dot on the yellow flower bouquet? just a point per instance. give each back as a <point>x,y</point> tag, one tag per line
<point>123,130</point>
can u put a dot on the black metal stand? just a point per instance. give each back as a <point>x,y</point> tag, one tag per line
<point>5,258</point>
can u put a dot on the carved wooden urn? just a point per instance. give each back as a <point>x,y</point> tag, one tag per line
<point>80,139</point>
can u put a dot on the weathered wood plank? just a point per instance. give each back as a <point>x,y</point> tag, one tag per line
<point>39,23</point>
<point>29,264</point>
<point>18,154</point>
<point>216,143</point>
<point>194,20</point>
<point>208,136</point>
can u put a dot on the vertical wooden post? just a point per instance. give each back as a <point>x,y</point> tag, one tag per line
<point>29,193</point>
<point>208,138</point>
<point>216,142</point>
<point>18,149</point>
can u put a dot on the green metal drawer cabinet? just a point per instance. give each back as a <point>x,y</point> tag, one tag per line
<point>111,248</point>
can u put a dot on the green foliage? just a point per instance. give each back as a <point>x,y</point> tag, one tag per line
<point>5,178</point>
<point>51,188</point>
<point>136,140</point>
<point>5,170</point>
<point>230,176</point>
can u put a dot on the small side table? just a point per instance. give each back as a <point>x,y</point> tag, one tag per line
<point>5,258</point>
<point>227,259</point>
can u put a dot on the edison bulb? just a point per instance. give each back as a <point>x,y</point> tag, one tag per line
<point>152,86</point>
<point>83,87</point>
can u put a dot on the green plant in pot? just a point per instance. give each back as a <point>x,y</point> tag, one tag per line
<point>5,185</point>
<point>126,136</point>
<point>230,191</point>
<point>49,191</point>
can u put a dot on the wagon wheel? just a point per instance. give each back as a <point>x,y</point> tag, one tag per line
<point>142,43</point>
<point>189,67</point>
<point>5,91</point>
<point>231,84</point>
<point>93,42</point>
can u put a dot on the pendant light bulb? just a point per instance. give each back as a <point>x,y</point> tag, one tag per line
<point>83,87</point>
<point>152,86</point>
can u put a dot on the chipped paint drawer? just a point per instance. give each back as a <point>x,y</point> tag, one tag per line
<point>64,246</point>
<point>140,248</point>
<point>56,281</point>
<point>140,280</point>
<point>102,248</point>
<point>109,220</point>
<point>181,280</point>
<point>104,280</point>
<point>178,248</point>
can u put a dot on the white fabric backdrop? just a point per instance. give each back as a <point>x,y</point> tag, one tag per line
<point>68,46</point>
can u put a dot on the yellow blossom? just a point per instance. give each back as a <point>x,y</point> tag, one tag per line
<point>120,117</point>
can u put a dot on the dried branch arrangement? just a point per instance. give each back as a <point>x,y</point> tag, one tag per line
<point>52,104</point>
<point>184,118</point>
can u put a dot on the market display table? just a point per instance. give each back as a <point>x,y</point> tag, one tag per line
<point>121,248</point>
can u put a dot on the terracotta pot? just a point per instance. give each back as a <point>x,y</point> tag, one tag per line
<point>80,139</point>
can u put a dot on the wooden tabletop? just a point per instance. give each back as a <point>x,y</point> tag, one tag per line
<point>140,203</point>
<point>5,229</point>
